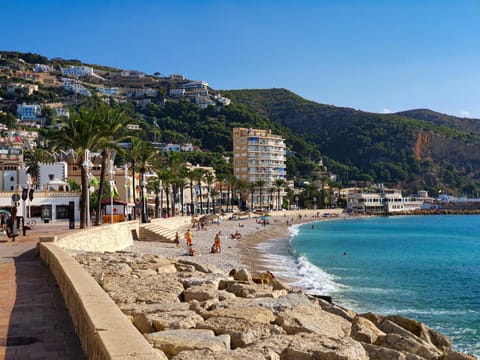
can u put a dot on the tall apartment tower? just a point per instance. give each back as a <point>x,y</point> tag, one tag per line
<point>259,155</point>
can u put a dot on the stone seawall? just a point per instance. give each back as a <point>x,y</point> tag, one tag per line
<point>104,332</point>
<point>108,237</point>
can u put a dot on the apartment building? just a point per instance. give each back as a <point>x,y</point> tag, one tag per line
<point>259,155</point>
<point>29,111</point>
<point>77,71</point>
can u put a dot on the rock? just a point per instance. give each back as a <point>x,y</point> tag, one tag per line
<point>174,320</point>
<point>381,353</point>
<point>333,309</point>
<point>145,273</point>
<point>211,279</point>
<point>250,290</point>
<point>242,332</point>
<point>305,346</point>
<point>365,331</point>
<point>374,318</point>
<point>411,345</point>
<point>171,342</point>
<point>205,268</point>
<point>310,319</point>
<point>224,284</point>
<point>419,329</point>
<point>238,354</point>
<point>452,355</point>
<point>167,269</point>
<point>200,292</point>
<point>184,267</point>
<point>134,309</point>
<point>242,275</point>
<point>143,324</point>
<point>260,315</point>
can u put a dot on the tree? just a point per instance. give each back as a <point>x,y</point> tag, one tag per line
<point>113,123</point>
<point>33,158</point>
<point>252,186</point>
<point>279,185</point>
<point>260,185</point>
<point>209,179</point>
<point>81,132</point>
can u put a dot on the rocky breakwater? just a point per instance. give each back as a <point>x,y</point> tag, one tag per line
<point>192,311</point>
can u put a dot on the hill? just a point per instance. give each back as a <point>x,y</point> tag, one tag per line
<point>407,150</point>
<point>415,149</point>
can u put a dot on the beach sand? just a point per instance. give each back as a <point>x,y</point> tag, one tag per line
<point>236,253</point>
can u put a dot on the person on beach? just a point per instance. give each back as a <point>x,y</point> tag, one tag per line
<point>191,250</point>
<point>188,237</point>
<point>217,244</point>
<point>177,239</point>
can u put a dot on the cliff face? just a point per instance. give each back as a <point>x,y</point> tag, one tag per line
<point>191,311</point>
<point>422,144</point>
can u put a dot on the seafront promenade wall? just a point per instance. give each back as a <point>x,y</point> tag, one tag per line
<point>104,331</point>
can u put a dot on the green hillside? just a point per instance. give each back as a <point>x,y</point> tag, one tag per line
<point>390,148</point>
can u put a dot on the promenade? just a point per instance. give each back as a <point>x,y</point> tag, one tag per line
<point>34,322</point>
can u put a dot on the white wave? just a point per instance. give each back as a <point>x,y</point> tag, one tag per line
<point>294,230</point>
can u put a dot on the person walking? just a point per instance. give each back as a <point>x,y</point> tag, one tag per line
<point>177,239</point>
<point>188,237</point>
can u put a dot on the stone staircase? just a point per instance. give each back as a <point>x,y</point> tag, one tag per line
<point>162,230</point>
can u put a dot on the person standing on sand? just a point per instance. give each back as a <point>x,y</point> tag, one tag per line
<point>188,237</point>
<point>177,239</point>
<point>217,244</point>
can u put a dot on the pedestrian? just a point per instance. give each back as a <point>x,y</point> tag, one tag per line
<point>177,239</point>
<point>188,237</point>
<point>217,244</point>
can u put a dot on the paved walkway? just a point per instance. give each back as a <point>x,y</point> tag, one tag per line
<point>34,322</point>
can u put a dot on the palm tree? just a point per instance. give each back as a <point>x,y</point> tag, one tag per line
<point>209,179</point>
<point>260,184</point>
<point>32,159</point>
<point>279,184</point>
<point>145,157</point>
<point>199,176</point>
<point>214,194</point>
<point>251,186</point>
<point>241,185</point>
<point>177,168</point>
<point>220,180</point>
<point>191,176</point>
<point>113,124</point>
<point>271,190</point>
<point>230,180</point>
<point>80,132</point>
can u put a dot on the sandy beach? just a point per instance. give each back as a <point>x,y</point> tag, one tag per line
<point>236,253</point>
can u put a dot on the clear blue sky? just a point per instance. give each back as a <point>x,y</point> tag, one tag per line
<point>377,56</point>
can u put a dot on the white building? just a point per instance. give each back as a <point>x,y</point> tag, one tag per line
<point>176,92</point>
<point>382,201</point>
<point>195,85</point>
<point>222,100</point>
<point>78,71</point>
<point>52,171</point>
<point>108,91</point>
<point>132,73</point>
<point>42,68</point>
<point>29,112</point>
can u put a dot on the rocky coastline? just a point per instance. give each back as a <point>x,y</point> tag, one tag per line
<point>228,306</point>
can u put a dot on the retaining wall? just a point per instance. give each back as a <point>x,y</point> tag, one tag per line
<point>104,331</point>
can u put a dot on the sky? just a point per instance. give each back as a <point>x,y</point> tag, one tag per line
<point>377,56</point>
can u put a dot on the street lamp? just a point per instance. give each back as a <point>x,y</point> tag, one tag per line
<point>315,202</point>
<point>112,187</point>
<point>144,203</point>
<point>126,192</point>
<point>87,166</point>
<point>296,200</point>
<point>161,198</point>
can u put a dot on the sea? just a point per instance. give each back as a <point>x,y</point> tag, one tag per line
<point>421,267</point>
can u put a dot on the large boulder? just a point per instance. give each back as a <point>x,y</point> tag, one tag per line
<point>201,292</point>
<point>311,319</point>
<point>186,319</point>
<point>171,342</point>
<point>441,342</point>
<point>242,332</point>
<point>242,275</point>
<point>381,353</point>
<point>260,315</point>
<point>365,331</point>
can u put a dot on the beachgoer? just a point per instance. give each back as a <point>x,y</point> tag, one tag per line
<point>191,250</point>
<point>188,237</point>
<point>217,243</point>
<point>177,239</point>
<point>214,249</point>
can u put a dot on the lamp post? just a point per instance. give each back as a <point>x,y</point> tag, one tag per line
<point>144,203</point>
<point>29,188</point>
<point>296,200</point>
<point>126,192</point>
<point>112,183</point>
<point>87,166</point>
<point>161,198</point>
<point>315,202</point>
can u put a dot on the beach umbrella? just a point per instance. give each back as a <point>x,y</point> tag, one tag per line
<point>264,218</point>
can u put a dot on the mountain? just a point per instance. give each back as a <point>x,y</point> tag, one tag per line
<point>417,149</point>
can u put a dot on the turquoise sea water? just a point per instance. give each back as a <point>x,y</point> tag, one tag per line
<point>422,267</point>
